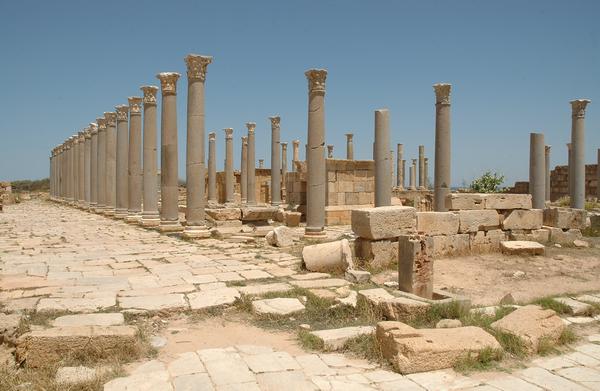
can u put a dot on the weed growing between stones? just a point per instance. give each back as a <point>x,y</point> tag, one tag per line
<point>366,346</point>
<point>487,359</point>
<point>551,304</point>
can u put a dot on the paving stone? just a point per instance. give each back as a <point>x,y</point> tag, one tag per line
<point>154,302</point>
<point>213,298</point>
<point>576,307</point>
<point>221,371</point>
<point>102,319</point>
<point>265,288</point>
<point>592,350</point>
<point>582,375</point>
<point>289,381</point>
<point>254,274</point>
<point>512,383</point>
<point>277,306</point>
<point>326,283</point>
<point>334,339</point>
<point>445,379</point>
<point>553,363</point>
<point>313,365</point>
<point>148,381</point>
<point>403,384</point>
<point>548,380</point>
<point>75,304</point>
<point>187,364</point>
<point>271,362</point>
<point>193,382</point>
<point>310,276</point>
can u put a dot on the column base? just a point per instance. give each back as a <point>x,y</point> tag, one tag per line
<point>92,206</point>
<point>120,214</point>
<point>149,221</point>
<point>314,233</point>
<point>196,232</point>
<point>108,212</point>
<point>133,218</point>
<point>169,226</point>
<point>99,209</point>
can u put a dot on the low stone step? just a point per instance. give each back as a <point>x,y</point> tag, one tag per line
<point>334,339</point>
<point>522,247</point>
<point>277,306</point>
<point>45,347</point>
<point>101,319</point>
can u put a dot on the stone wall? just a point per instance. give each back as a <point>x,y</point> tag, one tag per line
<point>559,181</point>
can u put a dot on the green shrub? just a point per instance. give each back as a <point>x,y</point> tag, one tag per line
<point>487,183</point>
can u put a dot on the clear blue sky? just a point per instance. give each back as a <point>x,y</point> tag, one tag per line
<point>514,66</point>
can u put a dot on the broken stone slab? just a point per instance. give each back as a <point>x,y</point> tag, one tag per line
<point>321,283</point>
<point>292,219</point>
<point>259,213</point>
<point>565,218</point>
<point>171,301</point>
<point>523,219</point>
<point>280,237</point>
<point>277,306</point>
<point>581,243</point>
<point>437,223</point>
<point>478,220</point>
<point>384,222</point>
<point>213,298</point>
<point>415,267</point>
<point>328,257</point>
<point>522,247</point>
<point>224,214</point>
<point>393,307</point>
<point>577,307</point>
<point>503,201</point>
<point>464,201</point>
<point>41,348</point>
<point>9,324</point>
<point>257,290</point>
<point>448,324</point>
<point>76,304</point>
<point>335,339</point>
<point>564,237</point>
<point>358,276</point>
<point>419,350</point>
<point>377,253</point>
<point>531,324</point>
<point>75,375</point>
<point>102,319</point>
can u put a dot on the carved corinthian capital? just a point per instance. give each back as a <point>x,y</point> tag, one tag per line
<point>93,128</point>
<point>228,133</point>
<point>168,82</point>
<point>149,94</point>
<point>244,140</point>
<point>212,136</point>
<point>316,80</point>
<point>122,111</point>
<point>101,124</point>
<point>196,66</point>
<point>578,107</point>
<point>111,118</point>
<point>251,127</point>
<point>442,93</point>
<point>135,105</point>
<point>275,120</point>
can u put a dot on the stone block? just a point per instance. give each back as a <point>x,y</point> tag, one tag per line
<point>102,319</point>
<point>522,247</point>
<point>452,245</point>
<point>393,307</point>
<point>351,199</point>
<point>478,220</point>
<point>280,237</point>
<point>564,237</point>
<point>437,223</point>
<point>224,214</point>
<point>377,253</point>
<point>486,241</point>
<point>357,276</point>
<point>292,219</point>
<point>277,306</point>
<point>384,222</point>
<point>259,213</point>
<point>503,201</point>
<point>328,257</point>
<point>334,339</point>
<point>415,267</point>
<point>523,219</point>
<point>565,218</point>
<point>464,201</point>
<point>9,324</point>
<point>45,347</point>
<point>345,187</point>
<point>413,350</point>
<point>531,323</point>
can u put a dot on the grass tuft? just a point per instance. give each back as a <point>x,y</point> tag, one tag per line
<point>511,343</point>
<point>567,337</point>
<point>485,360</point>
<point>551,304</point>
<point>309,341</point>
<point>365,346</point>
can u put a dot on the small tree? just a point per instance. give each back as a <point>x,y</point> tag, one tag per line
<point>488,183</point>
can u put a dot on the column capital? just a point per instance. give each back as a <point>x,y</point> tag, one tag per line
<point>88,134</point>
<point>349,136</point>
<point>569,146</point>
<point>149,94</point>
<point>93,128</point>
<point>296,143</point>
<point>414,161</point>
<point>426,159</point>
<point>283,146</point>
<point>168,82</point>
<point>122,111</point>
<point>228,133</point>
<point>244,140</point>
<point>101,124</point>
<point>547,148</point>
<point>251,127</point>
<point>442,93</point>
<point>81,135</point>
<point>316,80</point>
<point>196,66</point>
<point>212,136</point>
<point>111,118</point>
<point>275,121</point>
<point>578,107</point>
<point>135,105</point>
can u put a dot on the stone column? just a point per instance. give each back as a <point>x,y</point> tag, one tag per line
<point>403,173</point>
<point>261,164</point>
<point>94,167</point>
<point>87,168</point>
<point>275,161</point>
<point>244,171</point>
<point>195,151</point>
<point>295,153</point>
<point>421,167</point>
<point>399,167</point>
<point>81,169</point>
<point>329,151</point>
<point>150,216</point>
<point>134,172</point>
<point>284,169</point>
<point>74,169</point>
<point>442,170</point>
<point>101,163</point>
<point>598,175</point>
<point>122,188</point>
<point>547,170</point>
<point>349,146</point>
<point>212,168</point>
<point>537,170</point>
<point>426,173</point>
<point>570,168</point>
<point>391,162</point>
<point>383,185</point>
<point>61,172</point>
<point>413,175</point>
<point>169,179</point>
<point>315,159</point>
<point>229,197</point>
<point>578,145</point>
<point>251,164</point>
<point>111,163</point>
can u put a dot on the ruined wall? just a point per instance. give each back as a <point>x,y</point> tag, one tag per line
<point>559,181</point>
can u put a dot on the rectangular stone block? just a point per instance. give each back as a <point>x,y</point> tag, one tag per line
<point>377,253</point>
<point>384,222</point>
<point>486,241</point>
<point>223,214</point>
<point>464,201</point>
<point>478,220</point>
<point>565,218</point>
<point>449,245</point>
<point>564,237</point>
<point>351,199</point>
<point>345,187</point>
<point>259,213</point>
<point>505,201</point>
<point>415,267</point>
<point>437,223</point>
<point>523,219</point>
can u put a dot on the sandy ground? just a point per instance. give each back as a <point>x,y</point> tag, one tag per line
<point>487,278</point>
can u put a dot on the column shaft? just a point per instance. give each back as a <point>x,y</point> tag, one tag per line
<point>134,164</point>
<point>229,196</point>
<point>212,168</point>
<point>284,169</point>
<point>122,162</point>
<point>442,170</point>
<point>383,186</point>
<point>421,167</point>
<point>244,171</point>
<point>87,164</point>
<point>295,153</point>
<point>251,164</point>
<point>111,163</point>
<point>537,175</point>
<point>275,161</point>
<point>578,148</point>
<point>94,168</point>
<point>101,170</point>
<point>150,216</point>
<point>547,171</point>
<point>349,146</point>
<point>399,168</point>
